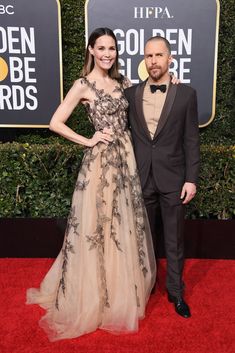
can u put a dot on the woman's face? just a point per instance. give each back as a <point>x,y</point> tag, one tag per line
<point>104,52</point>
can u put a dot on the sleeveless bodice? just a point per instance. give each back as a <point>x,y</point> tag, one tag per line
<point>107,110</point>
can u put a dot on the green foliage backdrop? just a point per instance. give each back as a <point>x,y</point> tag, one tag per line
<point>38,170</point>
<point>38,181</point>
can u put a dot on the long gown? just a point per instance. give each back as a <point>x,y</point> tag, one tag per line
<point>104,273</point>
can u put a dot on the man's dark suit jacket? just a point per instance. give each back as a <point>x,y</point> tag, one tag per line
<point>173,153</point>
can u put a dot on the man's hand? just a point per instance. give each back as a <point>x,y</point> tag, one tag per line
<point>188,192</point>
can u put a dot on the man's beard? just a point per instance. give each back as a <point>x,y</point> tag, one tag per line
<point>158,75</point>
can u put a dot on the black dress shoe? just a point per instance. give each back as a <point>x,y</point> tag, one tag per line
<point>181,307</point>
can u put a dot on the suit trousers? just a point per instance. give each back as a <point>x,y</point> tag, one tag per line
<point>172,212</point>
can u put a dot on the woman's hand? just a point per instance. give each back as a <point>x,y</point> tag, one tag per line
<point>104,136</point>
<point>175,80</point>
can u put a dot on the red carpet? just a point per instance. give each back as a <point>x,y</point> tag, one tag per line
<point>210,293</point>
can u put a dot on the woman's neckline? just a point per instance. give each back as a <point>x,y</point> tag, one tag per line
<point>93,84</point>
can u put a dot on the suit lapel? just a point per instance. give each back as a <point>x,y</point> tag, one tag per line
<point>139,107</point>
<point>166,108</point>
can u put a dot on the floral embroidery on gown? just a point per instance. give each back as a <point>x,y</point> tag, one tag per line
<point>103,276</point>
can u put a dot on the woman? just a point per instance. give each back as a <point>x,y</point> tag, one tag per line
<point>105,272</point>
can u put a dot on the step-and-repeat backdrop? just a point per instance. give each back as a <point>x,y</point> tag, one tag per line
<point>190,26</point>
<point>30,50</point>
<point>30,62</point>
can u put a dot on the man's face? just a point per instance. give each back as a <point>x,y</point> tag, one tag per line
<point>157,60</point>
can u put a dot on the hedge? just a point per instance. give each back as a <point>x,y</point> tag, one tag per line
<point>38,181</point>
<point>215,197</point>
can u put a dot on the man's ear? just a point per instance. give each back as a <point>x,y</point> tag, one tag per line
<point>170,59</point>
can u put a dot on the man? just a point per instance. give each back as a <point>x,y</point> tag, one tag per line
<point>164,125</point>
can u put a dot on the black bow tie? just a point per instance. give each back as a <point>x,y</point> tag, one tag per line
<point>154,88</point>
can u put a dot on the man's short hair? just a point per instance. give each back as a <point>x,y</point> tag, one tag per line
<point>158,38</point>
